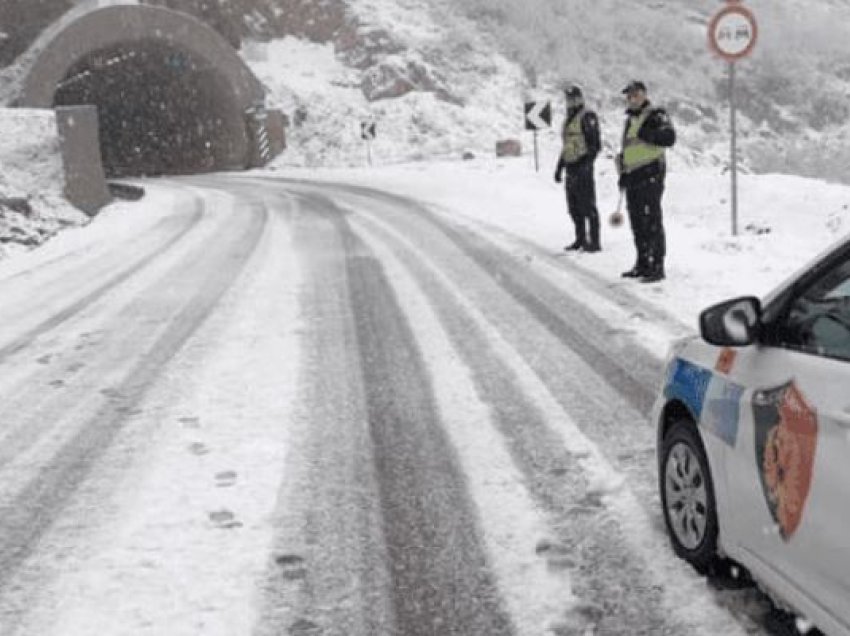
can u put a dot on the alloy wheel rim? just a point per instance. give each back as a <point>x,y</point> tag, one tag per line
<point>686,496</point>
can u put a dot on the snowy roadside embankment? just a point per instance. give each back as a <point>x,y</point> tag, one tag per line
<point>116,222</point>
<point>430,79</point>
<point>32,203</point>
<point>784,222</point>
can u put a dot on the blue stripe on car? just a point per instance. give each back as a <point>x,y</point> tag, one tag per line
<point>688,383</point>
<point>712,400</point>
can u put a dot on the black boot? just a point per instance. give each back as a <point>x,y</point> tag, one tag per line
<point>655,275</point>
<point>575,245</point>
<point>635,272</point>
<point>593,245</point>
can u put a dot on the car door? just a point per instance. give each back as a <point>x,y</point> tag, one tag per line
<point>789,470</point>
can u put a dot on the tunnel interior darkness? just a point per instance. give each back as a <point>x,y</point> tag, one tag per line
<point>161,111</point>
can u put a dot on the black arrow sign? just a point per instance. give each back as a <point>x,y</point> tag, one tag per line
<point>538,115</point>
<point>367,130</point>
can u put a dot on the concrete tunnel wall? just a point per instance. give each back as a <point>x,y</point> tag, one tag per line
<point>124,28</point>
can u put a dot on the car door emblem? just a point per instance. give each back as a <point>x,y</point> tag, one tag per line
<point>786,430</point>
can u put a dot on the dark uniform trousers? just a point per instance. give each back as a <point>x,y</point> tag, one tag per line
<point>643,201</point>
<point>581,203</point>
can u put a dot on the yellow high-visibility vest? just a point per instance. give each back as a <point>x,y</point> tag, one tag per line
<point>636,152</point>
<point>575,145</point>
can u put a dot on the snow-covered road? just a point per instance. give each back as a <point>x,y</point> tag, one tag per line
<point>292,408</point>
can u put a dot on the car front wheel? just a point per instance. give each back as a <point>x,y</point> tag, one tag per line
<point>687,496</point>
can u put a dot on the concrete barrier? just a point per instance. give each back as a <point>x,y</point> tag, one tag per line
<point>85,183</point>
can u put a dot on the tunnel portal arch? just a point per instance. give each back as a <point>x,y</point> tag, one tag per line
<point>172,93</point>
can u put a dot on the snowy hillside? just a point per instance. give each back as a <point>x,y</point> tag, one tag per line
<point>472,63</point>
<point>434,88</point>
<point>443,77</point>
<point>792,92</point>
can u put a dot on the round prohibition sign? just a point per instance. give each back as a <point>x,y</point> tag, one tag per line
<point>733,32</point>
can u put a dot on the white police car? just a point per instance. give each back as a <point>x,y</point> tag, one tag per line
<point>754,441</point>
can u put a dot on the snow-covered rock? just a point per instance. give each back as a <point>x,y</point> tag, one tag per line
<point>32,203</point>
<point>398,75</point>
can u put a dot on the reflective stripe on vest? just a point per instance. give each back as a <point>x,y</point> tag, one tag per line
<point>575,145</point>
<point>636,152</point>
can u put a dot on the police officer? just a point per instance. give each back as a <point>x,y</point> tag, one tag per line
<point>642,169</point>
<point>581,145</point>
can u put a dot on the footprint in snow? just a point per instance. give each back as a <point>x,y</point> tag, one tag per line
<point>45,359</point>
<point>592,499</point>
<point>581,620</point>
<point>225,479</point>
<point>292,566</point>
<point>224,519</point>
<point>557,555</point>
<point>127,410</point>
<point>197,448</point>
<point>303,627</point>
<point>57,384</point>
<point>190,422</point>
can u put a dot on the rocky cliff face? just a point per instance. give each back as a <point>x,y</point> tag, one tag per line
<point>389,71</point>
<point>21,21</point>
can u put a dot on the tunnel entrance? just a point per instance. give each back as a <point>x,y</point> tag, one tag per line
<point>172,95</point>
<point>161,109</point>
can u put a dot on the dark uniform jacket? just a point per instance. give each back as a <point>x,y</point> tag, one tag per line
<point>657,130</point>
<point>590,129</point>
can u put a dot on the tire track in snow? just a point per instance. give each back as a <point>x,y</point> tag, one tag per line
<point>610,420</point>
<point>57,380</point>
<point>139,546</point>
<point>440,579</point>
<point>536,588</point>
<point>627,371</point>
<point>39,503</point>
<point>687,602</point>
<point>58,318</point>
<point>328,569</point>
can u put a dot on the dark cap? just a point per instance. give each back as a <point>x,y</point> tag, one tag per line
<point>573,91</point>
<point>634,86</point>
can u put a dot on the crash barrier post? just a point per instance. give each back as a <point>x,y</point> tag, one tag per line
<point>266,133</point>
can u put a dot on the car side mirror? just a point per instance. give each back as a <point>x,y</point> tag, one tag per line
<point>734,323</point>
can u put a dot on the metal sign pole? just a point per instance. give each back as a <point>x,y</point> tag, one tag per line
<point>536,160</point>
<point>369,151</point>
<point>732,34</point>
<point>733,117</point>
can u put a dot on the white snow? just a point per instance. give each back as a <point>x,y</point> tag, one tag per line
<point>29,152</point>
<point>682,591</point>
<point>31,169</point>
<point>519,209</point>
<point>537,595</point>
<point>784,222</point>
<point>186,532</point>
<point>326,104</point>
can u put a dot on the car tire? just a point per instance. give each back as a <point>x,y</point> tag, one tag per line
<point>687,496</point>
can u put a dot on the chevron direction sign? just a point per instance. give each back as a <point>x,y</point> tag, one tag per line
<point>367,130</point>
<point>538,115</point>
